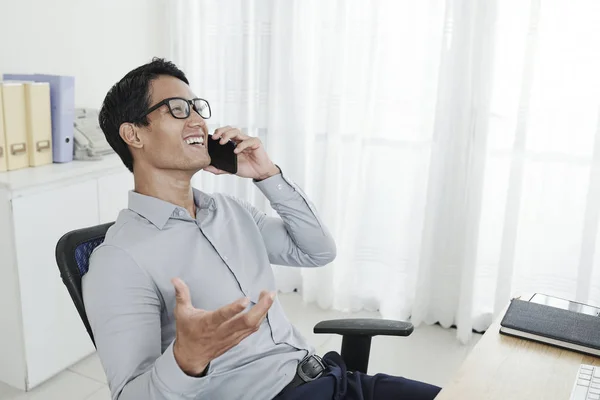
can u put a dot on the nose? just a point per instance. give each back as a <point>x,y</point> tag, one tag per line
<point>195,120</point>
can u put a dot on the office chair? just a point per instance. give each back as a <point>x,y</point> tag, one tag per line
<point>73,251</point>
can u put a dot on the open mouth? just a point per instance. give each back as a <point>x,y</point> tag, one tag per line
<point>195,141</point>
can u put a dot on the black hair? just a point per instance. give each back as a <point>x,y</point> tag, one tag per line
<point>128,99</point>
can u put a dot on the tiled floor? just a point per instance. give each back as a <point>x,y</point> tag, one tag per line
<point>430,354</point>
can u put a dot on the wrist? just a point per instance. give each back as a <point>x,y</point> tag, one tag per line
<point>191,367</point>
<point>274,170</point>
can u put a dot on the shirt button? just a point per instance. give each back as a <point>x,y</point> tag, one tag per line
<point>181,213</point>
<point>225,258</point>
<point>279,187</point>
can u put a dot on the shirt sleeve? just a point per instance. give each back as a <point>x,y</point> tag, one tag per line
<point>123,308</point>
<point>298,237</point>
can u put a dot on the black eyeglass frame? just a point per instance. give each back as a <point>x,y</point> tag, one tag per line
<point>190,103</point>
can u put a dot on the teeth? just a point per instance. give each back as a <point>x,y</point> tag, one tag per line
<point>193,140</point>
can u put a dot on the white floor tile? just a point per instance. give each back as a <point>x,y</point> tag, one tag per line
<point>65,386</point>
<point>90,367</point>
<point>102,394</point>
<point>8,392</point>
<point>431,354</point>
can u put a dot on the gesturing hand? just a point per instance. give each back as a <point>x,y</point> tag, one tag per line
<point>202,336</point>
<point>253,160</point>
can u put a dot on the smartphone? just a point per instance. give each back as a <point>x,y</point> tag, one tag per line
<point>565,304</point>
<point>222,155</point>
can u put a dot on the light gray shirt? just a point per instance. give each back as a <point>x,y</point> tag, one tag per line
<point>222,254</point>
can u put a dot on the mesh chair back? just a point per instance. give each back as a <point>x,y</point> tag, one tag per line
<point>73,252</point>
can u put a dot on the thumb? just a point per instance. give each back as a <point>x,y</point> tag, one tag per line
<point>182,293</point>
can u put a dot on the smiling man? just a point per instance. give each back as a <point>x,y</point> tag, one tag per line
<point>181,296</point>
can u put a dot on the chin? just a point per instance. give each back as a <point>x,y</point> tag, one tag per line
<point>200,164</point>
<point>190,166</point>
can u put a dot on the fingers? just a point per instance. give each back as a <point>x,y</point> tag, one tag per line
<point>214,170</point>
<point>250,143</point>
<point>229,311</point>
<point>238,336</point>
<point>220,131</point>
<point>243,141</point>
<point>252,319</point>
<point>182,293</point>
<point>228,133</point>
<point>259,311</point>
<point>232,340</point>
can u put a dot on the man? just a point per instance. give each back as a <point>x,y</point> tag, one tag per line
<point>181,296</point>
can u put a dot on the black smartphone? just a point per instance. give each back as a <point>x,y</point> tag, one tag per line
<point>222,155</point>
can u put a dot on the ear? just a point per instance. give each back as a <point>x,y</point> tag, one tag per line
<point>131,135</point>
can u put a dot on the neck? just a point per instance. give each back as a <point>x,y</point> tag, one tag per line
<point>171,186</point>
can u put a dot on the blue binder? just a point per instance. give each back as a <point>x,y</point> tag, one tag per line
<point>62,102</point>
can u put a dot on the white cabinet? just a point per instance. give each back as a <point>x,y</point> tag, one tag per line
<point>41,333</point>
<point>54,336</point>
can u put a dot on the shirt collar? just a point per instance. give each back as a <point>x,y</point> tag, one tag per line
<point>158,211</point>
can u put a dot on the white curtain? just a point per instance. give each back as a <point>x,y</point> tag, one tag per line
<point>450,145</point>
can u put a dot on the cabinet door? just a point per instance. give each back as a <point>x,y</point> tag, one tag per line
<point>113,195</point>
<point>54,335</point>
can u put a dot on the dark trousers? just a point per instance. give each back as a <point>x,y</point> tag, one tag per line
<point>337,383</point>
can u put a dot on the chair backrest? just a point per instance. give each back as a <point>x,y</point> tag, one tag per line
<point>73,252</point>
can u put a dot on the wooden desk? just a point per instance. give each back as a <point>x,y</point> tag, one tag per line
<point>507,368</point>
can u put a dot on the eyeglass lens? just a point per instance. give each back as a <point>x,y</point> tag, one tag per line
<point>181,108</point>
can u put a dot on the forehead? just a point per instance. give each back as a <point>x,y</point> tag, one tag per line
<point>167,86</point>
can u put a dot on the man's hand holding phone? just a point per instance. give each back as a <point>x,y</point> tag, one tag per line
<point>201,336</point>
<point>252,158</point>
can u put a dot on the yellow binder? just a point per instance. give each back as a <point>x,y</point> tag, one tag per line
<point>3,152</point>
<point>15,126</point>
<point>39,123</point>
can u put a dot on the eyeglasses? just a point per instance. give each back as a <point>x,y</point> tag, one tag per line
<point>180,107</point>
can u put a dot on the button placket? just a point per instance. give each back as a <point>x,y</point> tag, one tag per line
<point>225,260</point>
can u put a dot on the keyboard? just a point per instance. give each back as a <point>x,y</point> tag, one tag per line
<point>587,383</point>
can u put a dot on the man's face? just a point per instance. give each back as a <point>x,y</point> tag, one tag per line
<point>166,141</point>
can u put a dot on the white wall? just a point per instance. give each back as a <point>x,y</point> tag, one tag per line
<point>97,41</point>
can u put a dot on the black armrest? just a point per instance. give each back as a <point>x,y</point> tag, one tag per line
<point>365,327</point>
<point>357,334</point>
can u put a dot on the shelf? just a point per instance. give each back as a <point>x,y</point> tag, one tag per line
<point>30,180</point>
